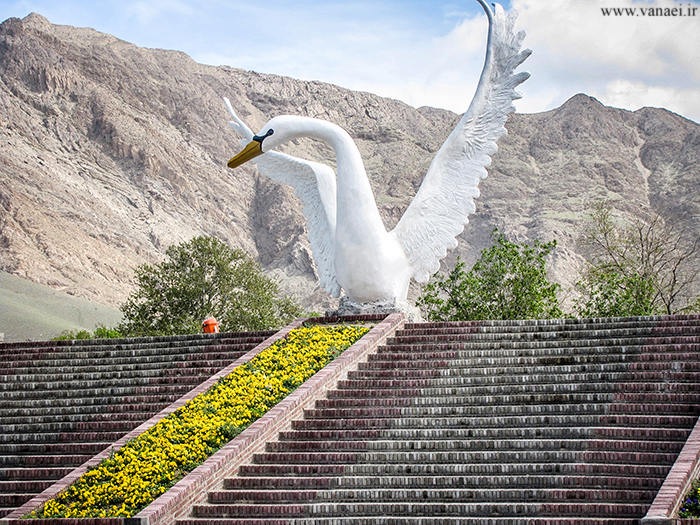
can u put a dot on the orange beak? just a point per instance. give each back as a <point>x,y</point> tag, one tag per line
<point>252,150</point>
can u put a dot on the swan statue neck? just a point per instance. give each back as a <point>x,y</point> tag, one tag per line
<point>354,193</point>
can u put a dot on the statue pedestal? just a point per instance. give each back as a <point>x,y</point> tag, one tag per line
<point>383,306</point>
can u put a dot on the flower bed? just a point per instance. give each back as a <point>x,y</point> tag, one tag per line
<point>690,508</point>
<point>147,466</point>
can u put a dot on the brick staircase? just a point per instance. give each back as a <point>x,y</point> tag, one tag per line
<point>62,402</point>
<point>551,422</point>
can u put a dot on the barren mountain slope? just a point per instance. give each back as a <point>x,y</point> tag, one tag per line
<point>110,152</point>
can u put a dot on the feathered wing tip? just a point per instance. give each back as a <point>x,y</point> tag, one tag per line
<point>441,207</point>
<point>507,54</point>
<point>238,124</point>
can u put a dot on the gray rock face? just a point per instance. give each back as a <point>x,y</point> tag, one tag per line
<point>109,153</point>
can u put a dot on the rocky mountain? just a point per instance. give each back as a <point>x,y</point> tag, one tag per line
<point>109,153</point>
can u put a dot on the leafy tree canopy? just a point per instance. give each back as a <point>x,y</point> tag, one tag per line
<point>646,267</point>
<point>101,332</point>
<point>508,281</point>
<point>201,278</point>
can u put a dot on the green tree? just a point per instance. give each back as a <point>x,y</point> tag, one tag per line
<point>101,332</point>
<point>508,281</point>
<point>201,278</point>
<point>646,267</point>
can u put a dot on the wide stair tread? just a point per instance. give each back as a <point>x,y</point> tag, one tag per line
<point>414,520</point>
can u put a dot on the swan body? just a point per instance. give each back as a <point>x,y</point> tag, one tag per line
<point>352,248</point>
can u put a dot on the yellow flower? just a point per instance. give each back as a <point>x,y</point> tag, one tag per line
<point>150,464</point>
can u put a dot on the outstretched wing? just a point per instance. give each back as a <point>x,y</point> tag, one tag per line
<point>315,185</point>
<point>238,124</point>
<point>440,209</point>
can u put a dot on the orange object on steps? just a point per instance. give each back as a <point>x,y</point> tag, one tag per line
<point>210,326</point>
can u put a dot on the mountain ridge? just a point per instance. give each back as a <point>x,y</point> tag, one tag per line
<point>111,152</point>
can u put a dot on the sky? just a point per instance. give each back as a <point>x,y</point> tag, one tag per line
<point>422,52</point>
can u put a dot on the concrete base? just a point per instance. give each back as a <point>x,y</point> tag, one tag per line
<point>384,306</point>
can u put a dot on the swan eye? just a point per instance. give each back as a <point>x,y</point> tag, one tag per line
<point>260,138</point>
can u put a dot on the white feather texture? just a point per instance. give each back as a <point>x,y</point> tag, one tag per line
<point>440,209</point>
<point>351,247</point>
<point>314,184</point>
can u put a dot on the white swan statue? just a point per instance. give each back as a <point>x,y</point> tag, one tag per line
<point>351,247</point>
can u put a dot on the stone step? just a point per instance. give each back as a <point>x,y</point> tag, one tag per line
<point>9,449</point>
<point>58,403</point>
<point>495,509</point>
<point>619,335</point>
<point>450,409</point>
<point>601,346</point>
<point>413,520</point>
<point>463,359</point>
<point>14,500</point>
<point>457,328</point>
<point>45,436</point>
<point>30,410</point>
<point>632,388</point>
<point>110,362</point>
<point>83,355</point>
<point>490,385</point>
<point>35,473</point>
<point>43,460</point>
<point>450,482</point>
<point>441,411</point>
<point>193,362</point>
<point>590,332</point>
<point>676,400</point>
<point>523,433</point>
<point>24,487</point>
<point>471,457</point>
<point>67,426</point>
<point>498,422</point>
<point>473,445</point>
<point>97,385</point>
<point>426,372</point>
<point>135,389</point>
<point>51,419</point>
<point>166,341</point>
<point>454,469</point>
<point>430,495</point>
<point>559,323</point>
<point>74,375</point>
<point>660,397</point>
<point>476,409</point>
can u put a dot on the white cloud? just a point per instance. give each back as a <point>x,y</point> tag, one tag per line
<point>630,61</point>
<point>626,94</point>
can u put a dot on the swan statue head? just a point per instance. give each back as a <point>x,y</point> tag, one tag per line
<point>352,249</point>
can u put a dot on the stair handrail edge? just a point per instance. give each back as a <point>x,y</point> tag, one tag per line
<point>686,468</point>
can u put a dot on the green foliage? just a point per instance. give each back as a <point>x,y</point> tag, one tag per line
<point>647,267</point>
<point>610,294</point>
<point>690,508</point>
<point>508,281</point>
<point>101,332</point>
<point>201,278</point>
